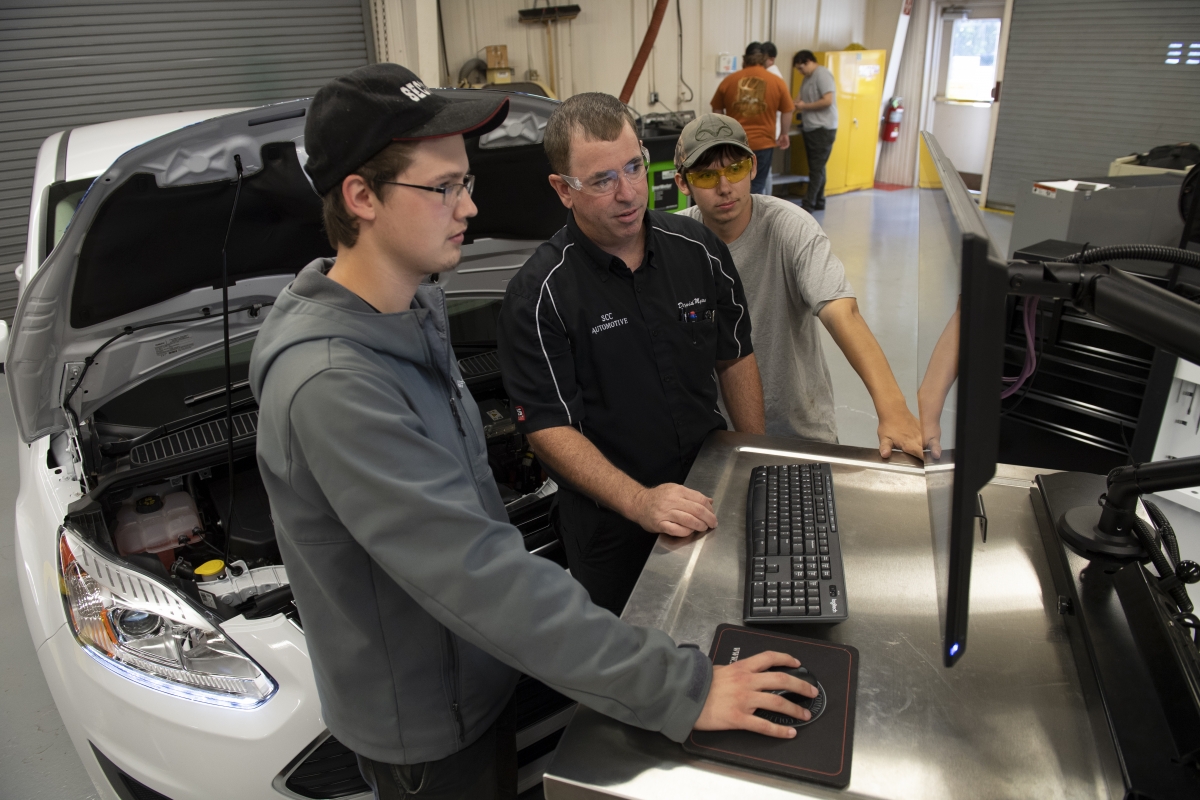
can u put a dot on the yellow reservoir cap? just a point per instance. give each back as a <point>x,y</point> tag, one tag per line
<point>210,569</point>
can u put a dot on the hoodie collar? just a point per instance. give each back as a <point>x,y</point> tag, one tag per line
<point>315,307</point>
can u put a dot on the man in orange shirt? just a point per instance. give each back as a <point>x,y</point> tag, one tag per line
<point>752,96</point>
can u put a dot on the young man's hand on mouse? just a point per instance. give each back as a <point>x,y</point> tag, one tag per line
<point>741,688</point>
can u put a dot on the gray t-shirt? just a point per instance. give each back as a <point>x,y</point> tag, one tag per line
<point>816,86</point>
<point>789,273</point>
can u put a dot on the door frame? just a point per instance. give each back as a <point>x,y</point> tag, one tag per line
<point>1001,60</point>
<point>932,76</point>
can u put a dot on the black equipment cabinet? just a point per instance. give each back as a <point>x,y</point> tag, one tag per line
<point>1097,398</point>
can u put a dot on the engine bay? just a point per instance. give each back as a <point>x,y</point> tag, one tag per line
<point>161,495</point>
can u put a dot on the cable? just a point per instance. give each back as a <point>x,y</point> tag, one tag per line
<point>1144,252</point>
<point>1164,528</point>
<point>679,16</point>
<point>1166,574</point>
<point>237,193</point>
<point>1041,351</point>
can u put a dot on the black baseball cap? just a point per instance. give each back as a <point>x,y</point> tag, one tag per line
<point>355,116</point>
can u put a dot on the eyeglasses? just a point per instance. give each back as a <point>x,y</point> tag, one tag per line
<point>450,193</point>
<point>606,182</point>
<point>736,172</point>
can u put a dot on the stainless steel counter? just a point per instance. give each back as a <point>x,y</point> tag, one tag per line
<point>1008,721</point>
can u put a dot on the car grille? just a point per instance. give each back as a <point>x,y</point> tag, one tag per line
<point>329,771</point>
<point>140,791</point>
<point>198,437</point>
<point>117,778</point>
<point>484,365</point>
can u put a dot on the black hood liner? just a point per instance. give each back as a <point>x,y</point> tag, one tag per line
<point>513,193</point>
<point>149,244</point>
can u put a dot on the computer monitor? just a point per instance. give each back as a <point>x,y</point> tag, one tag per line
<point>960,353</point>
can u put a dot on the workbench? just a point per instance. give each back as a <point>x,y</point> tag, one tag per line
<point>1008,721</point>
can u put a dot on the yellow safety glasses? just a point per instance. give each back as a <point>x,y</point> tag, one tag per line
<point>709,178</point>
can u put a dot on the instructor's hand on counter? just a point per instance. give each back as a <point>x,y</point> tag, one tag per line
<point>743,687</point>
<point>668,508</point>
<point>671,509</point>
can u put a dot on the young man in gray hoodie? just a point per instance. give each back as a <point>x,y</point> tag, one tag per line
<point>420,603</point>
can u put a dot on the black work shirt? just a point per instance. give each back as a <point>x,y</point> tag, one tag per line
<point>626,357</point>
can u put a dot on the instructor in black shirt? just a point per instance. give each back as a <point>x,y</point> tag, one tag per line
<point>613,338</point>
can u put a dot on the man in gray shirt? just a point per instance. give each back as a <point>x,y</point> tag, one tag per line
<point>791,278</point>
<point>819,119</point>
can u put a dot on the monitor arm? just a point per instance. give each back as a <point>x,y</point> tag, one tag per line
<point>1153,315</point>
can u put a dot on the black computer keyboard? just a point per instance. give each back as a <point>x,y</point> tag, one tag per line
<point>793,556</point>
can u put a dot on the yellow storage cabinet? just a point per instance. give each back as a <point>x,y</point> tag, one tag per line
<point>858,75</point>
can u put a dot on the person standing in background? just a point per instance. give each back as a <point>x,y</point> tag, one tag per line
<point>753,96</point>
<point>782,140</point>
<point>819,119</point>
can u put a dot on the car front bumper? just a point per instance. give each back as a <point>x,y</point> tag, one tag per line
<point>181,748</point>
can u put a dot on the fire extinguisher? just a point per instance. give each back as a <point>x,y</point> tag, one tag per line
<point>891,120</point>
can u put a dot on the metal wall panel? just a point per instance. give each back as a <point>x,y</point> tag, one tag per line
<point>67,64</point>
<point>1086,82</point>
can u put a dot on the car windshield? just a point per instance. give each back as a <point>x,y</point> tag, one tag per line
<point>161,399</point>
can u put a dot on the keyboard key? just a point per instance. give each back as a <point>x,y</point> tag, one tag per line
<point>813,610</point>
<point>759,575</point>
<point>793,611</point>
<point>760,548</point>
<point>758,601</point>
<point>764,611</point>
<point>826,576</point>
<point>758,588</point>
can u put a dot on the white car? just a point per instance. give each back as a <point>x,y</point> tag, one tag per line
<point>177,677</point>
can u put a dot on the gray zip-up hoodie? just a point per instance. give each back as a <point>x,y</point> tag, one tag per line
<point>418,599</point>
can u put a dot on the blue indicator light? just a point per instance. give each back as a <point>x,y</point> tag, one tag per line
<point>954,649</point>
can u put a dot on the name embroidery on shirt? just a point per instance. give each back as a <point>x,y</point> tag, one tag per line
<point>695,301</point>
<point>608,323</point>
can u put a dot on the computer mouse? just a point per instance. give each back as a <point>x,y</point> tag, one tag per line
<point>815,705</point>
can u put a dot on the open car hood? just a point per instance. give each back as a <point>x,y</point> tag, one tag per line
<point>145,248</point>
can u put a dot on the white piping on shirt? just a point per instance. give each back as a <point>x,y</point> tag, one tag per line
<point>732,296</point>
<point>537,320</point>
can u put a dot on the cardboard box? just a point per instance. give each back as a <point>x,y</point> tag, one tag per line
<point>497,56</point>
<point>500,75</point>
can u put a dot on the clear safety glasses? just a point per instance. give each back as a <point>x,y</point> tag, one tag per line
<point>606,182</point>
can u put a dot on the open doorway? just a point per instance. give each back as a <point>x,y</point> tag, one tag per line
<point>963,58</point>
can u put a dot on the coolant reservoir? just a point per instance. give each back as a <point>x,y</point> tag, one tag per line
<point>156,518</point>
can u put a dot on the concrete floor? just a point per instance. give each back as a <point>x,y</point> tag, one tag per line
<point>873,232</point>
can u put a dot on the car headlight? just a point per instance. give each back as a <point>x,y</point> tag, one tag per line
<point>147,632</point>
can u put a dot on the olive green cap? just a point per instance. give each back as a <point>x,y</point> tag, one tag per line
<point>705,132</point>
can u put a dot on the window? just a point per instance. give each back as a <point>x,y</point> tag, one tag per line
<point>972,72</point>
<point>1175,54</point>
<point>64,199</point>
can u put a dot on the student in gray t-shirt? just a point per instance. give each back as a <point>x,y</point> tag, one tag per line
<point>791,278</point>
<point>819,119</point>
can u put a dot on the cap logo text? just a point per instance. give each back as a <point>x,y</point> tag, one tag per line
<point>415,91</point>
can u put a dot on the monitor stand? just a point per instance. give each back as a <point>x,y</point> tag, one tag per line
<point>1113,620</point>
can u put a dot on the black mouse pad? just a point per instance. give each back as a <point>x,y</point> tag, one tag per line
<point>821,749</point>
